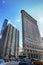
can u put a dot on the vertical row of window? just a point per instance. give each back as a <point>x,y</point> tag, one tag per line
<point>9,40</point>
<point>13,41</point>
<point>17,42</point>
<point>8,31</point>
<point>12,29</point>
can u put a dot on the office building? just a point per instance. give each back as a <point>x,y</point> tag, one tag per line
<point>42,47</point>
<point>4,25</point>
<point>10,41</point>
<point>42,39</point>
<point>31,36</point>
<point>0,47</point>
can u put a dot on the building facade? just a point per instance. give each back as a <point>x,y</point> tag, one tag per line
<point>4,25</point>
<point>0,47</point>
<point>42,47</point>
<point>10,41</point>
<point>31,36</point>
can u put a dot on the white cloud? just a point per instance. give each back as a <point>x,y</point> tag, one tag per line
<point>40,19</point>
<point>40,25</point>
<point>3,1</point>
<point>18,20</point>
<point>42,34</point>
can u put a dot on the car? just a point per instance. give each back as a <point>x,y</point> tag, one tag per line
<point>23,62</point>
<point>2,62</point>
<point>12,59</point>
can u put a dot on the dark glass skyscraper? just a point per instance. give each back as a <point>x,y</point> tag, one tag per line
<point>4,25</point>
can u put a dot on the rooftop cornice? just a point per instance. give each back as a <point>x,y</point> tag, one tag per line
<point>28,16</point>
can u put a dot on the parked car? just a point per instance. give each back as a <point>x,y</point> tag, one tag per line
<point>23,62</point>
<point>33,59</point>
<point>2,62</point>
<point>12,59</point>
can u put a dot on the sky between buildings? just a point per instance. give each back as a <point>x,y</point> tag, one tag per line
<point>11,9</point>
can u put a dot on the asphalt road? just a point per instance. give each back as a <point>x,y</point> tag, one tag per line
<point>12,63</point>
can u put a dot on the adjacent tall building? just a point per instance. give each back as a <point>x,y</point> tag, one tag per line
<point>31,36</point>
<point>0,47</point>
<point>4,25</point>
<point>10,40</point>
<point>42,47</point>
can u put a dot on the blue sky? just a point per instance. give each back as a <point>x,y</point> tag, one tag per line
<point>10,9</point>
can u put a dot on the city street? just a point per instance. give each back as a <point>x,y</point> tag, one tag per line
<point>12,63</point>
